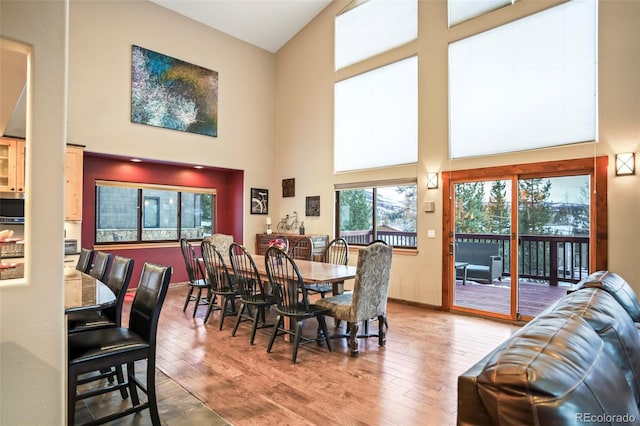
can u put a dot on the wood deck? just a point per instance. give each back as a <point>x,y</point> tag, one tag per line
<point>496,297</point>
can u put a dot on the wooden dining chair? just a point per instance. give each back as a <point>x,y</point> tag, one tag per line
<point>196,276</point>
<point>337,252</point>
<point>368,298</point>
<point>254,295</point>
<point>292,302</point>
<point>301,249</point>
<point>221,281</point>
<point>102,349</point>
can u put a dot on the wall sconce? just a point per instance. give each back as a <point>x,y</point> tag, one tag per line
<point>625,164</point>
<point>432,180</point>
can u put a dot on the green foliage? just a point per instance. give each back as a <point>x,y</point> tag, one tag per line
<point>469,208</point>
<point>355,211</point>
<point>533,212</point>
<point>498,212</point>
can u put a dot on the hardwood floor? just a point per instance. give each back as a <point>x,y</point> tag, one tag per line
<point>411,381</point>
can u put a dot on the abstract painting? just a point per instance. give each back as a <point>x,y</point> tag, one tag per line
<point>170,93</point>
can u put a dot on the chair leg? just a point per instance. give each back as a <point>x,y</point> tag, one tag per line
<point>120,376</point>
<point>151,392</point>
<point>186,302</point>
<point>131,374</point>
<point>382,322</point>
<point>238,318</point>
<point>212,307</point>
<point>225,302</point>
<point>296,341</point>
<point>323,326</point>
<point>279,323</point>
<point>254,325</point>
<point>353,339</point>
<point>195,306</point>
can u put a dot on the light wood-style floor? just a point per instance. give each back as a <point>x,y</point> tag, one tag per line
<point>411,381</point>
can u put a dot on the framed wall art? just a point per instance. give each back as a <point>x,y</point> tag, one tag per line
<point>259,201</point>
<point>173,94</point>
<point>313,206</point>
<point>289,187</point>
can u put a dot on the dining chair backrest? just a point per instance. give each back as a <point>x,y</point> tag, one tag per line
<point>337,252</point>
<point>246,274</point>
<point>216,267</point>
<point>85,259</point>
<point>302,249</point>
<point>147,303</point>
<point>118,281</point>
<point>101,262</point>
<point>371,284</point>
<point>191,262</point>
<point>285,280</point>
<point>221,241</point>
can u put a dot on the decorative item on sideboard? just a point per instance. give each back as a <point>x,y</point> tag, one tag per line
<point>289,223</point>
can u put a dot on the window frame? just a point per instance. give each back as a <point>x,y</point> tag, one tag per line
<point>373,186</point>
<point>140,187</point>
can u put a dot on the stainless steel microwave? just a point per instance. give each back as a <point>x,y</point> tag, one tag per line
<point>11,210</point>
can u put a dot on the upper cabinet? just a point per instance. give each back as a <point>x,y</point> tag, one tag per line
<point>73,183</point>
<point>11,165</point>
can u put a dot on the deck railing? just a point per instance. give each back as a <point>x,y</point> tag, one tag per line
<point>541,257</point>
<point>393,238</point>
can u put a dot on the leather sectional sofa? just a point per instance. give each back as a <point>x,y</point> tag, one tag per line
<point>578,362</point>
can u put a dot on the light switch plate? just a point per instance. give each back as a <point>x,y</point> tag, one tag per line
<point>431,233</point>
<point>429,206</point>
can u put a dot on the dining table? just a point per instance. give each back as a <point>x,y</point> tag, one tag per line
<point>314,272</point>
<point>82,292</point>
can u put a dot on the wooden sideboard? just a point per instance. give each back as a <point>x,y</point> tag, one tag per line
<point>319,241</point>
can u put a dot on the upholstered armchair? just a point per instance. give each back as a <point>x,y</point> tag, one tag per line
<point>222,242</point>
<point>369,297</point>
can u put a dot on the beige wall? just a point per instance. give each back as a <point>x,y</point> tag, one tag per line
<point>32,339</point>
<point>101,35</point>
<point>304,128</point>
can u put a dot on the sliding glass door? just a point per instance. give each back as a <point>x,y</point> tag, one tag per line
<point>522,236</point>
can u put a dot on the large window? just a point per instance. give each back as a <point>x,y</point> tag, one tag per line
<point>376,118</point>
<point>463,10</point>
<point>370,211</point>
<point>528,84</point>
<point>373,27</point>
<point>127,212</point>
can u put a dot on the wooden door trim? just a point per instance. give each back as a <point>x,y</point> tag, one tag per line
<point>595,167</point>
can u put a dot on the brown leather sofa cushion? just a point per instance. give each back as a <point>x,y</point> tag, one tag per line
<point>616,329</point>
<point>615,285</point>
<point>555,370</point>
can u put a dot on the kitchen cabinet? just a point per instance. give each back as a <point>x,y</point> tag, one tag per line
<point>319,242</point>
<point>12,165</point>
<point>73,183</point>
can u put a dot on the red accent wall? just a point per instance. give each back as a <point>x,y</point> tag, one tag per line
<point>229,192</point>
